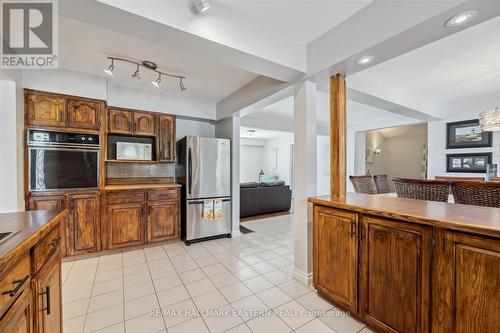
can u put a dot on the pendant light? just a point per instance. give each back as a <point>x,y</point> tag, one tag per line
<point>490,119</point>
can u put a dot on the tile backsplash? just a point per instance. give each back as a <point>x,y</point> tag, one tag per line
<point>122,170</point>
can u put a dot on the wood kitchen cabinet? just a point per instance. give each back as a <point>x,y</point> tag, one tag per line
<point>83,113</point>
<point>44,202</point>
<point>46,287</point>
<point>126,225</point>
<point>395,275</point>
<point>57,110</point>
<point>144,123</point>
<point>166,138</point>
<point>335,255</point>
<point>83,228</point>
<point>45,109</point>
<point>122,121</point>
<point>19,318</point>
<point>141,215</point>
<point>467,284</point>
<point>163,221</point>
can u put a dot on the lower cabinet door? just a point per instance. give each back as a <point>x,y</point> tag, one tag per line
<point>395,275</point>
<point>83,231</point>
<point>46,202</point>
<point>125,225</point>
<point>163,221</point>
<point>19,318</point>
<point>467,287</point>
<point>335,256</point>
<point>47,291</point>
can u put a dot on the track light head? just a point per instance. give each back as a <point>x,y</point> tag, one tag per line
<point>181,85</point>
<point>136,74</point>
<point>109,71</point>
<point>156,83</point>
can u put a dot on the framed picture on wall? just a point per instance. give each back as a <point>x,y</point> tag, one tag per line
<point>467,134</point>
<point>475,162</point>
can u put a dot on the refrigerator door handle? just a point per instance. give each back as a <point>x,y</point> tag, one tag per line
<point>201,202</point>
<point>190,170</point>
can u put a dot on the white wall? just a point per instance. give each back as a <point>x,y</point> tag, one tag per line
<point>280,166</point>
<point>400,156</point>
<point>251,162</point>
<point>436,134</point>
<point>93,86</point>
<point>185,127</point>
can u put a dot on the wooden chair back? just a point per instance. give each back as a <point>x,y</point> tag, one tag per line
<point>422,189</point>
<point>382,184</point>
<point>363,184</point>
<point>476,193</point>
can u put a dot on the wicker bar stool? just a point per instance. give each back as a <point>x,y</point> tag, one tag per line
<point>363,184</point>
<point>476,193</point>
<point>382,184</point>
<point>422,189</point>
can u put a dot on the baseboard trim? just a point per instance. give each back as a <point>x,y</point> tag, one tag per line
<point>305,278</point>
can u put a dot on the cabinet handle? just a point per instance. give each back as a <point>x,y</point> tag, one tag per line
<point>55,241</point>
<point>47,295</point>
<point>19,283</point>
<point>353,229</point>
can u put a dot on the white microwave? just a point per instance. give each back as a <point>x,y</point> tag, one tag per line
<point>133,151</point>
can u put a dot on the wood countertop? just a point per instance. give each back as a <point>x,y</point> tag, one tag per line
<point>119,187</point>
<point>465,218</point>
<point>30,227</point>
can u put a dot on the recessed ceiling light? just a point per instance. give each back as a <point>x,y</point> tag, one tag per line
<point>365,60</point>
<point>461,19</point>
<point>201,5</point>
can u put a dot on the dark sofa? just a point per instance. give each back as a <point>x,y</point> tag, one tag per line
<point>264,198</point>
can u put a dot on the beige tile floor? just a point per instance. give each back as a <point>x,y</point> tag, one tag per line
<point>242,284</point>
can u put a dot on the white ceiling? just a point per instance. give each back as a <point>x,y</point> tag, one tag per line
<point>276,30</point>
<point>205,80</point>
<point>456,75</point>
<point>261,134</point>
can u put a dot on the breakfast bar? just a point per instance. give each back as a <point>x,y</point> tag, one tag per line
<point>30,271</point>
<point>404,265</point>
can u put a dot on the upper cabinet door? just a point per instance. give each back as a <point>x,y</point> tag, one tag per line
<point>45,109</point>
<point>144,124</point>
<point>120,121</point>
<point>166,138</point>
<point>84,113</point>
<point>395,264</point>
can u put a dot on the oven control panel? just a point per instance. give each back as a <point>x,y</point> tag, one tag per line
<point>62,138</point>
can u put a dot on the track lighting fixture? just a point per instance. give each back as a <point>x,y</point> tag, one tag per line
<point>136,74</point>
<point>149,65</point>
<point>109,71</point>
<point>156,83</point>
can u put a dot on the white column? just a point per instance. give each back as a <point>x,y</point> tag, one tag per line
<point>8,149</point>
<point>304,176</point>
<point>229,128</point>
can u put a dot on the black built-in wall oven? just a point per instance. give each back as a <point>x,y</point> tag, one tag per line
<point>62,160</point>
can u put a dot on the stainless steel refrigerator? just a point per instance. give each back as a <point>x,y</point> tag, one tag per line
<point>204,169</point>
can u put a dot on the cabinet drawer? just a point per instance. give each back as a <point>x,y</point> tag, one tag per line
<point>120,197</point>
<point>44,248</point>
<point>13,284</point>
<point>163,194</point>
